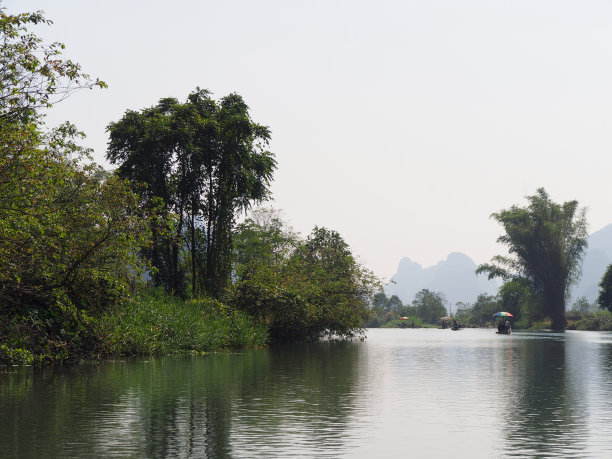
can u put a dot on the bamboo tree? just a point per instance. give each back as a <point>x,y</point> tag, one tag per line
<point>546,242</point>
<point>206,162</point>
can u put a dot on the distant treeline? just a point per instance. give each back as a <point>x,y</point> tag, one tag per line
<point>428,308</point>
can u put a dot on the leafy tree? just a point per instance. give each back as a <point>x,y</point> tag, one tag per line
<point>406,310</point>
<point>484,308</point>
<point>605,290</point>
<point>380,300</point>
<point>384,303</point>
<point>546,242</point>
<point>429,306</point>
<point>204,162</point>
<point>515,297</point>
<point>394,303</point>
<point>582,305</point>
<point>463,311</point>
<point>262,240</point>
<point>385,309</point>
<point>69,231</point>
<point>317,290</point>
<point>32,74</point>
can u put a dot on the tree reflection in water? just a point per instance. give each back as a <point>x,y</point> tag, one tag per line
<point>218,405</point>
<point>399,393</point>
<point>545,411</point>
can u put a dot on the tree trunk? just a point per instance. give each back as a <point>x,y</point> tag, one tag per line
<point>557,313</point>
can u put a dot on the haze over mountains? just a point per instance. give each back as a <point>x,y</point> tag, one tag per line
<point>455,276</point>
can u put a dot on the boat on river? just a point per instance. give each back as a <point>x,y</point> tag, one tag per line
<point>504,328</point>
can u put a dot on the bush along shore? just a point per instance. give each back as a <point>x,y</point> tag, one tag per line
<point>151,323</point>
<point>155,323</point>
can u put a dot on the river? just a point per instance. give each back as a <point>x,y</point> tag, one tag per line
<point>401,392</point>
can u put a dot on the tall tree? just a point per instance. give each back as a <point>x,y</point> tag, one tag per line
<point>144,144</point>
<point>605,290</point>
<point>429,306</point>
<point>201,163</point>
<point>546,242</point>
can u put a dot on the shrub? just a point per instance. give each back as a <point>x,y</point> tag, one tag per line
<point>598,321</point>
<point>156,323</point>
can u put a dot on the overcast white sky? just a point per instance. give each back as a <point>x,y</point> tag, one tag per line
<point>401,124</point>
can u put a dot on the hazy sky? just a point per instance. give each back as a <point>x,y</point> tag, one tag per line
<point>401,124</point>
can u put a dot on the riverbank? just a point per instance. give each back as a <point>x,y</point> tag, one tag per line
<point>151,323</point>
<point>593,321</point>
<point>155,323</point>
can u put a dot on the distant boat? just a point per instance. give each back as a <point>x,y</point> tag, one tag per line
<point>504,329</point>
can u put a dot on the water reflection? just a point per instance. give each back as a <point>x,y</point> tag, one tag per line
<point>546,415</point>
<point>428,393</point>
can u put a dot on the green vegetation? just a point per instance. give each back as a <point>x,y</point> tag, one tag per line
<point>410,322</point>
<point>605,290</point>
<point>596,321</point>
<point>33,75</point>
<point>155,323</point>
<point>426,310</point>
<point>76,241</point>
<point>301,289</point>
<point>479,314</point>
<point>195,165</point>
<point>546,242</point>
<point>69,231</point>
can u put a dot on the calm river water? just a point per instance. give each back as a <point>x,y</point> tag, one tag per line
<point>400,393</point>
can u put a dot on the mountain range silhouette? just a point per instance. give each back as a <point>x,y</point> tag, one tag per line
<point>455,277</point>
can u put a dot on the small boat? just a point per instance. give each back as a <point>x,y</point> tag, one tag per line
<point>503,330</point>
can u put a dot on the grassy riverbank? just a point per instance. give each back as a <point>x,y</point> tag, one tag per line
<point>151,323</point>
<point>595,321</point>
<point>154,323</point>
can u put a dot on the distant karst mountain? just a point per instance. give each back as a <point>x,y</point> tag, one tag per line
<point>456,279</point>
<point>597,258</point>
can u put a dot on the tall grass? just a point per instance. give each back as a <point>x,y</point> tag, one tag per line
<point>598,321</point>
<point>156,323</point>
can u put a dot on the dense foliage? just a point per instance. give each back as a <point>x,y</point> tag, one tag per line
<point>301,289</point>
<point>546,242</point>
<point>197,164</point>
<point>75,239</point>
<point>605,290</point>
<point>596,321</point>
<point>480,313</point>
<point>155,323</point>
<point>68,230</point>
<point>426,309</point>
<point>386,311</point>
<point>429,306</point>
